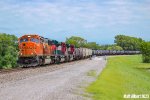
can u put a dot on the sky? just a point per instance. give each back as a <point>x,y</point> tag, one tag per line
<point>95,20</point>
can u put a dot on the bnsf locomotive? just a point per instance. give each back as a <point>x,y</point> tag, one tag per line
<point>36,50</point>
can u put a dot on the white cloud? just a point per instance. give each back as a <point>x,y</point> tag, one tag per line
<point>84,14</point>
<point>95,18</point>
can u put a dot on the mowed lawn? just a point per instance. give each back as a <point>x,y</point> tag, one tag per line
<point>122,75</point>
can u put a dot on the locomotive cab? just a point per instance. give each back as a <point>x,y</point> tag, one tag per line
<point>29,45</point>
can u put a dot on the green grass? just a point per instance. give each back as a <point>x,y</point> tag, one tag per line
<point>122,75</point>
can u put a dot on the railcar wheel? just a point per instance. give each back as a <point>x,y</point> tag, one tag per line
<point>40,61</point>
<point>57,61</point>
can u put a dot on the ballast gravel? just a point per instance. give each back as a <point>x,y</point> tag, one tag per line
<point>55,82</point>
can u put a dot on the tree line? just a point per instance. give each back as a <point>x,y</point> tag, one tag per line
<point>9,47</point>
<point>81,42</point>
<point>128,43</point>
<point>121,42</point>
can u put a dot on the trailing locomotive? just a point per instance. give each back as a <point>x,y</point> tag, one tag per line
<point>36,50</point>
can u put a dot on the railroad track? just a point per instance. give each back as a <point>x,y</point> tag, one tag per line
<point>53,66</point>
<point>23,73</point>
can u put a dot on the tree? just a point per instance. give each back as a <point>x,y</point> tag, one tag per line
<point>114,47</point>
<point>77,41</point>
<point>127,42</point>
<point>104,47</point>
<point>81,42</point>
<point>92,45</point>
<point>8,50</point>
<point>145,50</point>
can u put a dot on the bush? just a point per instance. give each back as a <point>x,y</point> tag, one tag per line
<point>8,51</point>
<point>145,50</point>
<point>114,47</point>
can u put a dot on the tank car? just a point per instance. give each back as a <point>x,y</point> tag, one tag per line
<point>77,54</point>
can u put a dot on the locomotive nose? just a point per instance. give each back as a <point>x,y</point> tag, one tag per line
<point>29,45</point>
<point>28,49</point>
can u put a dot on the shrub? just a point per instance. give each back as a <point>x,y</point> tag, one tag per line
<point>145,50</point>
<point>8,51</point>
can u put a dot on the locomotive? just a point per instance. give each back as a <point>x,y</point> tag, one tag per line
<point>35,50</point>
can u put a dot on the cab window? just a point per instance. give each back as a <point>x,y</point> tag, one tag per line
<point>23,40</point>
<point>34,40</point>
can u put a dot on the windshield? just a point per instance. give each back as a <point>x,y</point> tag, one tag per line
<point>34,40</point>
<point>23,40</point>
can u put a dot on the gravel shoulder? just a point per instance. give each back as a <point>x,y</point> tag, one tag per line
<point>54,82</point>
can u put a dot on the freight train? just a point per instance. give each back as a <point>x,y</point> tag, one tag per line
<point>35,50</point>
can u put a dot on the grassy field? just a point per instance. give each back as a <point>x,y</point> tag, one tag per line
<point>122,75</point>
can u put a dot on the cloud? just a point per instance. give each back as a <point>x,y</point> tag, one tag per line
<point>84,14</point>
<point>73,15</point>
<point>115,11</point>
